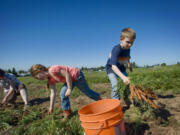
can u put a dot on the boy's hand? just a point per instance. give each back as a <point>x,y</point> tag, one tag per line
<point>50,111</point>
<point>126,80</point>
<point>68,92</point>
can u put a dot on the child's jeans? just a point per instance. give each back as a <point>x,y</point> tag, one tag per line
<point>114,82</point>
<point>83,86</point>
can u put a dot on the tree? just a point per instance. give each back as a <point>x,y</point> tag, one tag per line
<point>163,64</point>
<point>21,71</point>
<point>9,71</point>
<point>134,65</point>
<point>14,71</point>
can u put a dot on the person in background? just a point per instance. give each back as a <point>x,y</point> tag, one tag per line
<point>12,88</point>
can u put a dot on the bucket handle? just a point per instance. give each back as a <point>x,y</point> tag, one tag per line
<point>100,129</point>
<point>103,124</point>
<point>101,120</point>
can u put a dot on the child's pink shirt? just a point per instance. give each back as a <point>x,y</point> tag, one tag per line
<point>55,77</point>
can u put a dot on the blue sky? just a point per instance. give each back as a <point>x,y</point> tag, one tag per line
<point>83,32</point>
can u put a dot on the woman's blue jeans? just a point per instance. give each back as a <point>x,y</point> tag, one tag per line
<point>82,85</point>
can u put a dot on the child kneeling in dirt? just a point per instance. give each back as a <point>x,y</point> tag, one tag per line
<point>70,77</point>
<point>12,88</point>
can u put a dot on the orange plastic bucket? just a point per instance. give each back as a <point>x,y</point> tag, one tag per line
<point>103,117</point>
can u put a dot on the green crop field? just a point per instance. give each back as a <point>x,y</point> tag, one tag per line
<point>34,120</point>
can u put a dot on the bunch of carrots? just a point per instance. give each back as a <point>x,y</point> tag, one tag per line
<point>143,94</point>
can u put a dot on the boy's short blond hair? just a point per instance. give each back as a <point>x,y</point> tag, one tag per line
<point>35,69</point>
<point>128,32</point>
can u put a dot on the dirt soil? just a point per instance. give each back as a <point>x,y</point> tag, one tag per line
<point>167,121</point>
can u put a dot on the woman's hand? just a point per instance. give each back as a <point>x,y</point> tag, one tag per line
<point>50,111</point>
<point>4,101</point>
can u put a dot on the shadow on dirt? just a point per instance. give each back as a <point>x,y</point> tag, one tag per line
<point>162,116</point>
<point>125,108</point>
<point>38,101</point>
<point>165,96</point>
<point>161,113</point>
<point>136,128</point>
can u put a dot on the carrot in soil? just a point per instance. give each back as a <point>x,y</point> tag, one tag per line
<point>149,102</point>
<point>143,94</point>
<point>151,95</point>
<point>137,93</point>
<point>132,94</point>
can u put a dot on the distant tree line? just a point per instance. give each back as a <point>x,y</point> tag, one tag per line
<point>100,68</point>
<point>133,64</point>
<point>155,65</point>
<point>17,73</point>
<point>103,68</point>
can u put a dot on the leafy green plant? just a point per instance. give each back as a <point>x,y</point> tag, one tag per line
<point>179,124</point>
<point>123,90</point>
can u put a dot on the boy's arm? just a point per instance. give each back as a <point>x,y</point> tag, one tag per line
<point>68,81</point>
<point>129,66</point>
<point>52,98</point>
<point>120,74</point>
<point>10,92</point>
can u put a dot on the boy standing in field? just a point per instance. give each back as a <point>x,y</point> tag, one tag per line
<point>120,55</point>
<point>70,77</point>
<point>12,88</point>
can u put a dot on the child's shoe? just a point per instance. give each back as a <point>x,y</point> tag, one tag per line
<point>100,98</point>
<point>67,113</point>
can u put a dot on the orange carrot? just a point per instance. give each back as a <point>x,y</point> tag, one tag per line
<point>149,102</point>
<point>137,93</point>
